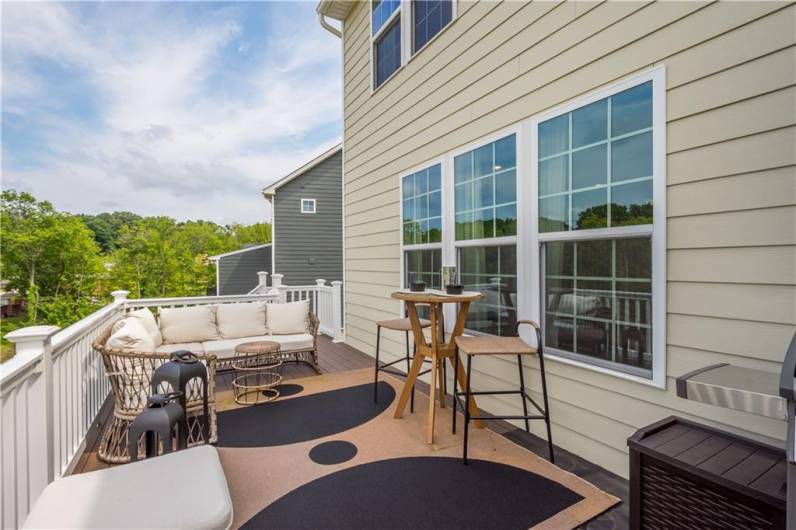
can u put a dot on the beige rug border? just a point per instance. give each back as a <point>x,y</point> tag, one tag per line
<point>595,500</point>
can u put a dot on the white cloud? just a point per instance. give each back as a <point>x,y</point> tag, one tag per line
<point>177,128</point>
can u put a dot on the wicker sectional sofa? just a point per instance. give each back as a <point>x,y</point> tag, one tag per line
<point>134,346</point>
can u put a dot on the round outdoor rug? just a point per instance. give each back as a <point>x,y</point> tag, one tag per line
<point>420,492</point>
<point>299,419</point>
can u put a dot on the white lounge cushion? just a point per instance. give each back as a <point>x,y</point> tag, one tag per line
<point>241,320</point>
<point>225,349</point>
<point>188,324</point>
<point>185,489</point>
<point>193,347</point>
<point>145,316</point>
<point>130,335</point>
<point>287,319</point>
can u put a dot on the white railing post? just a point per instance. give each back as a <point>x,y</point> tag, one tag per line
<point>276,284</point>
<point>120,296</point>
<point>262,278</point>
<point>337,310</point>
<point>31,342</point>
<point>316,297</point>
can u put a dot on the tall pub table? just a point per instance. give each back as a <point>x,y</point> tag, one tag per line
<point>438,349</point>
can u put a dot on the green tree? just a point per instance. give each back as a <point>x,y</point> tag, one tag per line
<point>46,254</point>
<point>256,234</point>
<point>106,227</point>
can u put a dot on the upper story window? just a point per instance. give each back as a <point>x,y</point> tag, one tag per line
<point>400,28</point>
<point>422,206</point>
<point>428,19</point>
<point>307,205</point>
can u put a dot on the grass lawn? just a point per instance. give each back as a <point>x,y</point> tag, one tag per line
<point>7,325</point>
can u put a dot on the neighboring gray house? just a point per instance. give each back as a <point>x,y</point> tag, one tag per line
<point>307,232</point>
<point>236,271</point>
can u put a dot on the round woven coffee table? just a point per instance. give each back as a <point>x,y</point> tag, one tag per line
<point>259,365</point>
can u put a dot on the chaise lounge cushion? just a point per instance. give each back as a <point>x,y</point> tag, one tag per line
<point>288,319</point>
<point>130,335</point>
<point>188,324</point>
<point>145,316</point>
<point>241,320</point>
<point>225,348</point>
<point>186,489</point>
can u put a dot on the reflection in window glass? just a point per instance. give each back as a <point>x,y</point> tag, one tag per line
<point>423,266</point>
<point>422,206</point>
<point>485,193</point>
<point>387,51</point>
<point>598,300</point>
<point>492,271</point>
<point>429,17</point>
<point>595,164</point>
<point>381,11</point>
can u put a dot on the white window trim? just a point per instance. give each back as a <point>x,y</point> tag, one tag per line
<point>404,12</point>
<point>657,231</point>
<point>421,246</point>
<point>311,201</point>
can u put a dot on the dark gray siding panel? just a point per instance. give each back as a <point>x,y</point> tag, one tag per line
<point>310,246</point>
<point>237,274</point>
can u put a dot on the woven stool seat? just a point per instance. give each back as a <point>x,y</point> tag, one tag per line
<point>259,347</point>
<point>401,324</point>
<point>494,346</point>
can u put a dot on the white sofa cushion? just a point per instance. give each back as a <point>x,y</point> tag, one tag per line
<point>288,319</point>
<point>188,324</point>
<point>241,320</point>
<point>145,316</point>
<point>225,349</point>
<point>193,347</point>
<point>184,489</point>
<point>130,335</point>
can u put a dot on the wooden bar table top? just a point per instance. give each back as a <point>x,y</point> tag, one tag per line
<point>438,349</point>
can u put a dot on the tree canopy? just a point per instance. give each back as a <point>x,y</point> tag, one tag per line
<point>66,265</point>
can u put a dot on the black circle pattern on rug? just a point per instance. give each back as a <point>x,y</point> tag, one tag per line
<point>334,452</point>
<point>289,389</point>
<point>302,418</point>
<point>420,492</point>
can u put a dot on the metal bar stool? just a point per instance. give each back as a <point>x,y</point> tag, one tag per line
<point>475,346</point>
<point>397,324</point>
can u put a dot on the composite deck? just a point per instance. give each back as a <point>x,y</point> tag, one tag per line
<point>338,357</point>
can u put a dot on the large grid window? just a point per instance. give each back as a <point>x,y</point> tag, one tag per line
<point>422,206</point>
<point>491,270</point>
<point>595,169</point>
<point>387,52</point>
<point>485,181</point>
<point>595,164</point>
<point>598,300</point>
<point>428,19</point>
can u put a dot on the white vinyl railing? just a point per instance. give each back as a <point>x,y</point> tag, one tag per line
<point>50,394</point>
<point>325,300</point>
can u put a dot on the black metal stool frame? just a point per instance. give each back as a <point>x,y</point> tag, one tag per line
<point>544,413</point>
<point>386,368</point>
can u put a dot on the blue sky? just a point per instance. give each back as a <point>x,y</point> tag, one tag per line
<point>184,109</point>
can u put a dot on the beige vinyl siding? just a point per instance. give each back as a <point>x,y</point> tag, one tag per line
<point>731,181</point>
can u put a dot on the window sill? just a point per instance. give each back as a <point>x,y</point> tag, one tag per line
<point>659,384</point>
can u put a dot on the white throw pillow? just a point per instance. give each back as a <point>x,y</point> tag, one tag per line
<point>188,324</point>
<point>241,320</point>
<point>145,316</point>
<point>286,319</point>
<point>130,335</point>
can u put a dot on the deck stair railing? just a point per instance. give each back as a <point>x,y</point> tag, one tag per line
<point>51,392</point>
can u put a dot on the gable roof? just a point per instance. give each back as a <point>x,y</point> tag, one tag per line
<point>271,190</point>
<point>239,251</point>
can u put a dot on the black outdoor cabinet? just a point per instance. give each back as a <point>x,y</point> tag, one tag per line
<point>687,475</point>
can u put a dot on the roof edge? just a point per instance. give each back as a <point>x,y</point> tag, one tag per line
<point>239,251</point>
<point>336,9</point>
<point>271,190</point>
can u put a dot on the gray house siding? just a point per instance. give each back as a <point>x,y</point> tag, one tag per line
<point>237,273</point>
<point>309,246</point>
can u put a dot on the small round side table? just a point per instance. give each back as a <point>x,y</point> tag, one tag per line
<point>260,367</point>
